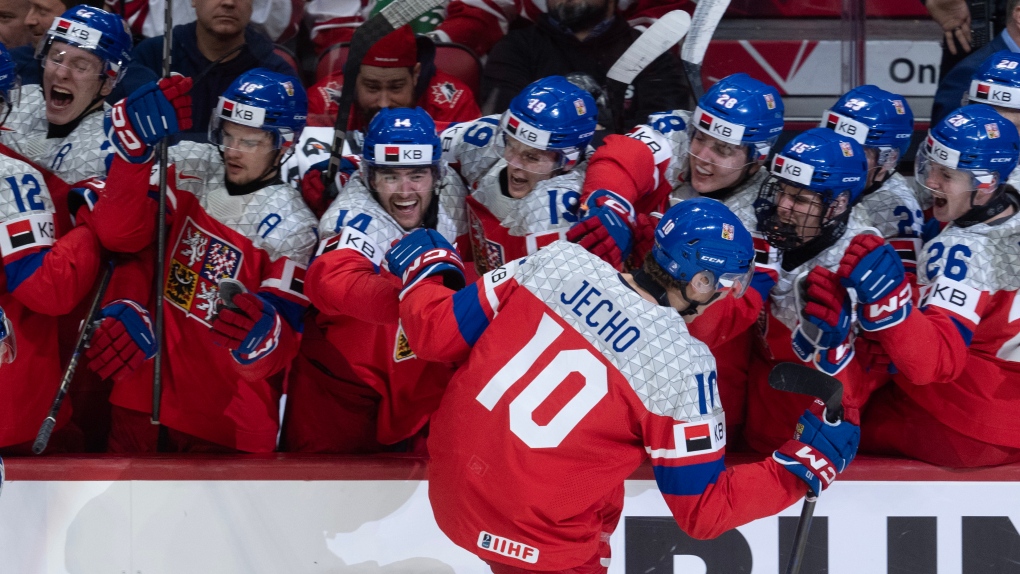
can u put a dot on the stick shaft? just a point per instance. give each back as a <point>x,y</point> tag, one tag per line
<point>800,539</point>
<point>84,336</point>
<point>164,164</point>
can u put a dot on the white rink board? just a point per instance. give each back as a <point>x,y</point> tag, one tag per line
<point>252,527</point>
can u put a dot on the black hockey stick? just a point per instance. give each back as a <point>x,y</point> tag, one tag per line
<point>703,24</point>
<point>393,16</point>
<point>42,438</point>
<point>800,379</point>
<point>652,43</point>
<point>164,164</point>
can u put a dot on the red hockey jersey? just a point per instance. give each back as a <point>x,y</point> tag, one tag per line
<point>569,381</point>
<point>262,239</point>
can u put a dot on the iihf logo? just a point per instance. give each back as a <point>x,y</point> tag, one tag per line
<point>486,540</point>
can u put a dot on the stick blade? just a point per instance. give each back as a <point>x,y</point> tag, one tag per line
<point>706,19</point>
<point>801,379</point>
<point>652,43</point>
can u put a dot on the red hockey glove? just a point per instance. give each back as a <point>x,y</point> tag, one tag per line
<point>251,331</point>
<point>123,340</point>
<point>606,227</point>
<point>823,335</point>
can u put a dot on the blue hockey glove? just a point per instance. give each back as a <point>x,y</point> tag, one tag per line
<point>152,112</point>
<point>873,269</point>
<point>423,253</point>
<point>251,330</point>
<point>606,228</point>
<point>820,450</point>
<point>123,341</point>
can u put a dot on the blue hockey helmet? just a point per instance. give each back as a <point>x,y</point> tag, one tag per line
<point>830,166</point>
<point>97,31</point>
<point>402,138</point>
<point>702,234</point>
<point>741,110</point>
<point>266,100</point>
<point>10,84</point>
<point>552,114</point>
<point>973,139</point>
<point>997,81</point>
<point>874,118</point>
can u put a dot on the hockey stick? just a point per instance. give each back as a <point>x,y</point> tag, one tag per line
<point>800,379</point>
<point>393,16</point>
<point>42,438</point>
<point>652,43</point>
<point>164,164</point>
<point>703,24</point>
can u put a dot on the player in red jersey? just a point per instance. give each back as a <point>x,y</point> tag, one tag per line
<point>230,218</point>
<point>955,399</point>
<point>46,272</point>
<point>356,386</point>
<point>571,375</point>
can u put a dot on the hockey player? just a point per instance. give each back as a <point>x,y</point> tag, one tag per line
<point>997,83</point>
<point>524,169</point>
<point>805,212</point>
<point>230,218</point>
<point>720,155</point>
<point>571,376</point>
<point>882,122</point>
<point>957,355</point>
<point>46,272</point>
<point>356,385</point>
<point>59,124</point>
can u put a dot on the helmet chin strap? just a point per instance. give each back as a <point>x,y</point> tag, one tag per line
<point>1002,200</point>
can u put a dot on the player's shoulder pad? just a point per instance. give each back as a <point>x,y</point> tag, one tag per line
<point>286,226</point>
<point>355,207</point>
<point>648,344</point>
<point>461,137</point>
<point>23,190</point>
<point>982,257</point>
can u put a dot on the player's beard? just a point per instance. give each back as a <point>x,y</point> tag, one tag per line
<point>580,15</point>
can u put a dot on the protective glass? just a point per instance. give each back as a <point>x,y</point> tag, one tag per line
<point>940,180</point>
<point>79,66</point>
<point>531,159</point>
<point>725,155</point>
<point>736,282</point>
<point>401,179</point>
<point>8,343</point>
<point>272,141</point>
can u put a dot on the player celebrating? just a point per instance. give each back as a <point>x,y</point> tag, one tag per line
<point>957,356</point>
<point>46,273</point>
<point>883,123</point>
<point>564,361</point>
<point>231,218</point>
<point>804,211</point>
<point>673,158</point>
<point>59,124</point>
<point>356,386</point>
<point>524,169</point>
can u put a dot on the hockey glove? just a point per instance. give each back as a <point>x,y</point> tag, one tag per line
<point>606,227</point>
<point>149,114</point>
<point>644,236</point>
<point>820,450</point>
<point>8,344</point>
<point>84,196</point>
<point>823,336</point>
<point>251,330</point>
<point>123,340</point>
<point>423,253</point>
<point>871,267</point>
